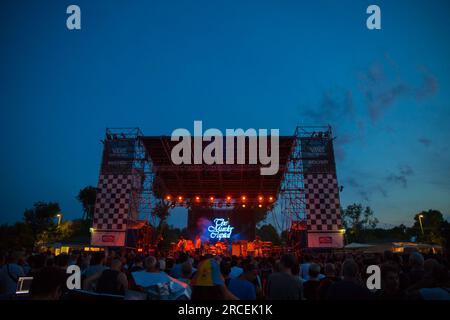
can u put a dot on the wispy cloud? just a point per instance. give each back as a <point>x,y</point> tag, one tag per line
<point>401,177</point>
<point>382,86</point>
<point>366,191</point>
<point>425,141</point>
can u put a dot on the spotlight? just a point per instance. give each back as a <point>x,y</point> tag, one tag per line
<point>270,198</point>
<point>243,206</point>
<point>243,198</point>
<point>228,198</point>
<point>211,199</point>
<point>260,205</point>
<point>168,197</point>
<point>180,198</point>
<point>197,198</point>
<point>260,198</point>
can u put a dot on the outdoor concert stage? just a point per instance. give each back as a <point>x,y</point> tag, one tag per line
<point>222,200</point>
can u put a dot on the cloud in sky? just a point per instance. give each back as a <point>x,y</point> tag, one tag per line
<point>401,177</point>
<point>425,141</point>
<point>382,86</point>
<point>366,191</point>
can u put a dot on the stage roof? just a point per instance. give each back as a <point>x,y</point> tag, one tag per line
<point>219,181</point>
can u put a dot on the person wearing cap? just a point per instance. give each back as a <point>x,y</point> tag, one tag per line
<point>208,283</point>
<point>243,287</point>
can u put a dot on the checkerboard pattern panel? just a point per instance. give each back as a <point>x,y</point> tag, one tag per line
<point>113,202</point>
<point>322,202</point>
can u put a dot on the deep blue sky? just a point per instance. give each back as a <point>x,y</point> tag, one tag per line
<point>160,65</point>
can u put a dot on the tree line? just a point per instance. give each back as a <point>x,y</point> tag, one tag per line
<point>40,225</point>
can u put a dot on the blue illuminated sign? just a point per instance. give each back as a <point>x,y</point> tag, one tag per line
<point>221,229</point>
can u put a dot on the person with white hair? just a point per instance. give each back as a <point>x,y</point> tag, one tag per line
<point>151,265</point>
<point>416,271</point>
<point>311,285</point>
<point>350,287</point>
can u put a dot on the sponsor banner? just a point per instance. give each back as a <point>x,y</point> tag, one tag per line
<point>317,155</point>
<point>325,240</point>
<point>118,155</point>
<point>108,239</point>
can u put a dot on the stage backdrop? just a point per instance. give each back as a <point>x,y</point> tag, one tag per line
<point>220,224</point>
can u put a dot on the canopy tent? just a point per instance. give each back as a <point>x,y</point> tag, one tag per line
<point>355,245</point>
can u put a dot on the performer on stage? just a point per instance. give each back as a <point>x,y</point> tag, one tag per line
<point>257,244</point>
<point>181,245</point>
<point>198,244</point>
<point>159,244</point>
<point>220,247</point>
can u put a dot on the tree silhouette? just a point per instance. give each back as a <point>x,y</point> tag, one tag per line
<point>87,196</point>
<point>433,224</point>
<point>356,219</point>
<point>40,219</point>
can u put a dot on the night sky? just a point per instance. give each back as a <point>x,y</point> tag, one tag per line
<point>160,65</point>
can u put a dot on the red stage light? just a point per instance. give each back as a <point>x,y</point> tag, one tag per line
<point>168,197</point>
<point>260,198</point>
<point>211,198</point>
<point>270,198</point>
<point>228,198</point>
<point>197,198</point>
<point>243,206</point>
<point>244,198</point>
<point>180,198</point>
<point>260,205</point>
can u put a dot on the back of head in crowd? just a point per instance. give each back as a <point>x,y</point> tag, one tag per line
<point>48,284</point>
<point>349,269</point>
<point>150,264</point>
<point>287,262</point>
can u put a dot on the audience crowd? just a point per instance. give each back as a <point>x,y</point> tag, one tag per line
<point>319,276</point>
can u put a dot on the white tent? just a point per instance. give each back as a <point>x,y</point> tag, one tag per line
<point>355,245</point>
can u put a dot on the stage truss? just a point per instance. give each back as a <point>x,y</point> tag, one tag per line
<point>142,198</point>
<point>291,207</point>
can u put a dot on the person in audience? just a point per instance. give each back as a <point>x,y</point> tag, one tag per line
<point>350,288</point>
<point>208,283</point>
<point>283,285</point>
<point>242,286</point>
<point>110,281</point>
<point>390,283</point>
<point>327,281</point>
<point>311,285</point>
<point>48,284</point>
<point>10,273</point>
<point>416,271</point>
<point>186,272</point>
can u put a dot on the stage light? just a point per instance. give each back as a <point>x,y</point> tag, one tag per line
<point>211,199</point>
<point>260,198</point>
<point>180,198</point>
<point>260,205</point>
<point>228,198</point>
<point>243,198</point>
<point>168,197</point>
<point>243,206</point>
<point>197,198</point>
<point>270,198</point>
